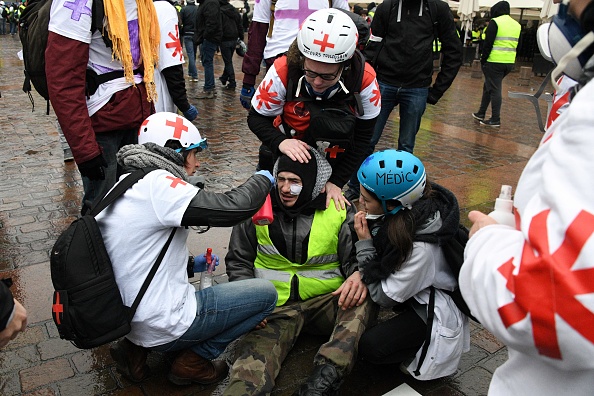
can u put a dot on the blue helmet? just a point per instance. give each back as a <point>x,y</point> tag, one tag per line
<point>393,174</point>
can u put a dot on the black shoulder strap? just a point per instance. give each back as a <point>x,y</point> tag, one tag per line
<point>359,81</point>
<point>430,315</point>
<point>119,189</point>
<point>150,276</point>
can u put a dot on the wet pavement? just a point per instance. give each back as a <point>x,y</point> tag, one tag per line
<point>40,195</point>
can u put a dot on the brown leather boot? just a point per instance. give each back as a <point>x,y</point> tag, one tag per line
<point>130,360</point>
<point>190,367</point>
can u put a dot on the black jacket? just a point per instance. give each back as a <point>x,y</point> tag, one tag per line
<point>406,56</point>
<point>208,22</point>
<point>188,19</point>
<point>232,26</point>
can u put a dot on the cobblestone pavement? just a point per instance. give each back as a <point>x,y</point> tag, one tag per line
<point>40,195</point>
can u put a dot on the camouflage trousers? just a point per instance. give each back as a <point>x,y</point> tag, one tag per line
<point>260,354</point>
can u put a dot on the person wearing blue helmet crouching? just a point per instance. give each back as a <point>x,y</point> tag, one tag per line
<point>403,221</point>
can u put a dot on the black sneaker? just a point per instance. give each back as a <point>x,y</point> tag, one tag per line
<point>491,123</point>
<point>231,87</point>
<point>223,80</point>
<point>478,116</point>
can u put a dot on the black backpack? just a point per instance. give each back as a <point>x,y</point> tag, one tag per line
<point>33,33</point>
<point>87,306</point>
<point>362,28</point>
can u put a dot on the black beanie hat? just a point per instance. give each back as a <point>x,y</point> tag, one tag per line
<point>306,171</point>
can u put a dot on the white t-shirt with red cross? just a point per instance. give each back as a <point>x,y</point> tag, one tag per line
<point>72,19</point>
<point>288,17</point>
<point>533,286</point>
<point>170,53</point>
<point>135,228</point>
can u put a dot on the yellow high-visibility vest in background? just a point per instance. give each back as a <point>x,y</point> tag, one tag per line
<point>506,41</point>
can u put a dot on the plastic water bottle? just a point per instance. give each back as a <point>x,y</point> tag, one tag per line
<point>503,207</point>
<point>264,216</point>
<point>206,276</point>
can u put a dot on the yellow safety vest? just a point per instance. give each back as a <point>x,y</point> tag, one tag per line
<point>506,41</point>
<point>320,274</point>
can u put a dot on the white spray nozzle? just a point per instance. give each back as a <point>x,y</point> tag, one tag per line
<point>506,192</point>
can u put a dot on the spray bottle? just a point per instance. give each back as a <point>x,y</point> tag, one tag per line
<point>206,276</point>
<point>503,207</point>
<point>264,216</point>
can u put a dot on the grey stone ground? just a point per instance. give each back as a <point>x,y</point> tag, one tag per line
<point>40,195</point>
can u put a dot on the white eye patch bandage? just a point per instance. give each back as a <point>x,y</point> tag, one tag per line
<point>295,189</point>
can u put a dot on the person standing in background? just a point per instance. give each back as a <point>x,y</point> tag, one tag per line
<point>3,16</point>
<point>401,51</point>
<point>232,32</point>
<point>169,76</point>
<point>209,35</point>
<point>497,60</point>
<point>101,93</point>
<point>188,18</point>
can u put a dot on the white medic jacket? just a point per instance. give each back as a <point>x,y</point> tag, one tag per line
<point>534,287</point>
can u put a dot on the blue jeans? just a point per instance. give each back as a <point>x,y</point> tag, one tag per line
<point>227,50</point>
<point>110,143</point>
<point>413,102</point>
<point>2,26</point>
<point>207,56</point>
<point>13,27</point>
<point>191,51</point>
<point>224,313</point>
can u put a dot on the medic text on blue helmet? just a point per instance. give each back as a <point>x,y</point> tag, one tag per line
<point>393,178</point>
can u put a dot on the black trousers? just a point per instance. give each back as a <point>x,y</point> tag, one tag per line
<point>494,74</point>
<point>393,341</point>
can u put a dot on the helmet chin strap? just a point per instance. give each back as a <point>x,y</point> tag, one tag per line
<point>393,211</point>
<point>327,94</point>
<point>572,55</point>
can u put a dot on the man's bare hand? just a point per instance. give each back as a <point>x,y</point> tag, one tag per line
<point>15,326</point>
<point>262,324</point>
<point>334,192</point>
<point>352,292</point>
<point>479,220</point>
<point>295,149</point>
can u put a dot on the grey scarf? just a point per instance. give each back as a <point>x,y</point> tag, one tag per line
<point>138,156</point>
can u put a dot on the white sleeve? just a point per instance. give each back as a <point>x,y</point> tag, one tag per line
<point>344,4</point>
<point>71,19</point>
<point>270,95</point>
<point>371,100</point>
<point>262,11</point>
<point>170,49</point>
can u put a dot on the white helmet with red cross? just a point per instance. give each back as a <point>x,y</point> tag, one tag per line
<point>159,128</point>
<point>328,36</point>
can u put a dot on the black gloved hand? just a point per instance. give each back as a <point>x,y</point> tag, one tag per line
<point>94,169</point>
